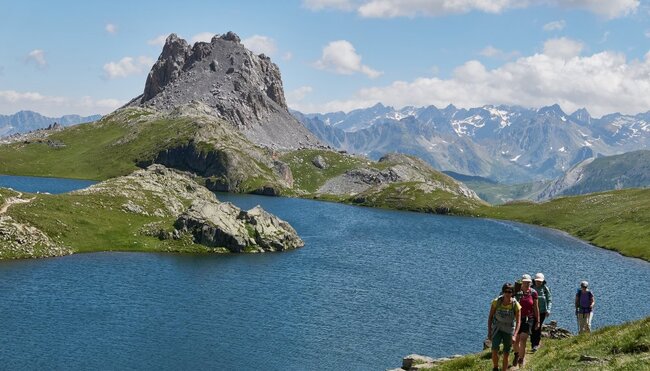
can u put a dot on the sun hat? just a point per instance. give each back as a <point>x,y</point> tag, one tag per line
<point>584,284</point>
<point>539,277</point>
<point>526,278</point>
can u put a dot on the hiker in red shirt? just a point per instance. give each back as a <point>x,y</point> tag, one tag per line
<point>527,298</point>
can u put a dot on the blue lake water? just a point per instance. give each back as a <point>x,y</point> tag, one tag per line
<point>41,184</point>
<point>369,287</point>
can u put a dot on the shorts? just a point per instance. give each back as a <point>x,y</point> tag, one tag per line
<point>498,338</point>
<point>527,326</point>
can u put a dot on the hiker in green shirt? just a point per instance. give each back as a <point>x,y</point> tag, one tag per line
<point>503,324</point>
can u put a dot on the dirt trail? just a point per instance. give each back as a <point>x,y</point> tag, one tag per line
<point>14,200</point>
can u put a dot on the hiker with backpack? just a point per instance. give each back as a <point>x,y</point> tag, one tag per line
<point>528,299</point>
<point>545,303</point>
<point>503,324</point>
<point>584,307</point>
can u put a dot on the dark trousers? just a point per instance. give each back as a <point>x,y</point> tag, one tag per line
<point>536,336</point>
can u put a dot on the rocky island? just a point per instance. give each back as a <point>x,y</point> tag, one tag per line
<point>154,209</point>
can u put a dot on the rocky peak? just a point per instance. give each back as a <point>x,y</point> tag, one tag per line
<point>243,88</point>
<point>552,110</point>
<point>582,116</point>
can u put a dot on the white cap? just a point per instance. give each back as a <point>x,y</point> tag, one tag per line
<point>526,278</point>
<point>539,277</point>
<point>584,284</point>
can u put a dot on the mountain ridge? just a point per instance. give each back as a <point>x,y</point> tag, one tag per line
<point>25,121</point>
<point>511,144</point>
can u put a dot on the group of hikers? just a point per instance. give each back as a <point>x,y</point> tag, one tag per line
<point>520,311</point>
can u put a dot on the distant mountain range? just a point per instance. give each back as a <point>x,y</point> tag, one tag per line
<point>505,143</point>
<point>26,121</point>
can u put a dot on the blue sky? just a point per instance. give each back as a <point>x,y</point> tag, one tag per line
<point>85,57</point>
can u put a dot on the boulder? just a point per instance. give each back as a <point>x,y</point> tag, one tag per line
<point>215,224</point>
<point>414,359</point>
<point>319,162</point>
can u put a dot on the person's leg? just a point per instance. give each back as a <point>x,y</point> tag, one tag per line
<point>536,339</point>
<point>522,347</point>
<point>581,323</point>
<point>496,342</point>
<point>495,358</point>
<point>516,349</point>
<point>588,321</point>
<point>578,319</point>
<point>507,346</point>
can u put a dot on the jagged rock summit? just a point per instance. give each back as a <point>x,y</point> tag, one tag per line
<point>243,88</point>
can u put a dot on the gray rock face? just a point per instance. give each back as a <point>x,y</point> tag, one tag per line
<point>399,168</point>
<point>243,88</point>
<point>225,225</point>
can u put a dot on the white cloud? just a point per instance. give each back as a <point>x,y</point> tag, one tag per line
<point>555,25</point>
<point>647,34</point>
<point>341,57</point>
<point>111,28</point>
<point>333,4</point>
<point>37,56</point>
<point>492,52</point>
<point>158,40</point>
<point>606,8</point>
<point>12,101</point>
<point>260,45</point>
<point>432,8</point>
<point>287,56</point>
<point>562,48</point>
<point>298,94</point>
<point>127,66</point>
<point>604,82</point>
<point>203,37</point>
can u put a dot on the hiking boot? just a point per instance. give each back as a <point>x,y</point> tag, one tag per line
<point>521,363</point>
<point>535,348</point>
<point>495,369</point>
<point>514,359</point>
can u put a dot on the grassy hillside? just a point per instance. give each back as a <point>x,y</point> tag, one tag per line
<point>497,193</point>
<point>622,347</point>
<point>627,170</point>
<point>108,148</point>
<point>616,220</point>
<point>424,190</point>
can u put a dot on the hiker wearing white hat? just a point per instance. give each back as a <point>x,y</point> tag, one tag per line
<point>584,307</point>
<point>545,303</point>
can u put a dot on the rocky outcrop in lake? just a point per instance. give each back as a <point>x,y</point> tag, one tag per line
<point>154,209</point>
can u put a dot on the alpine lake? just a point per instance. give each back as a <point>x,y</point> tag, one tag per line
<point>369,287</point>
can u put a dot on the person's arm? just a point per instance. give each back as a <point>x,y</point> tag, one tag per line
<point>549,302</point>
<point>493,309</point>
<point>577,301</point>
<point>536,310</point>
<point>517,319</point>
<point>593,301</point>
